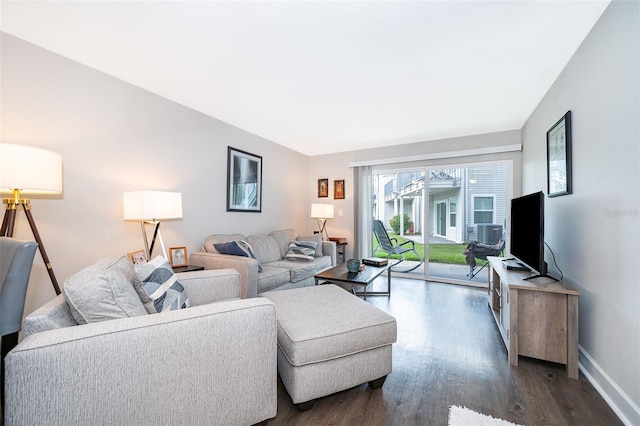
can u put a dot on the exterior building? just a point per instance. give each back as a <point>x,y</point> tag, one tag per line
<point>464,203</point>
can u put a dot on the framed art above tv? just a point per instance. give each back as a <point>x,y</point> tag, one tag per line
<point>559,157</point>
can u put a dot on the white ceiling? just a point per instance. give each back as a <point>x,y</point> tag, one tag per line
<point>325,76</point>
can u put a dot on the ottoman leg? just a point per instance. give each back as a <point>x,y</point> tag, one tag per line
<point>305,406</point>
<point>377,383</point>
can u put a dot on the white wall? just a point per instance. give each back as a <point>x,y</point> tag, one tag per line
<point>595,231</point>
<point>114,137</point>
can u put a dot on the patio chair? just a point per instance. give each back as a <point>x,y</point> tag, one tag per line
<point>391,246</point>
<point>476,255</point>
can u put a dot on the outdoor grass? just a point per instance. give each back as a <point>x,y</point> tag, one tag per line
<point>438,253</point>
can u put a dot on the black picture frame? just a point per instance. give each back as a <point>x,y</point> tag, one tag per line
<point>559,166</point>
<point>244,181</point>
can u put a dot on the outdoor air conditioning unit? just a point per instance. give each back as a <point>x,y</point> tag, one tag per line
<point>489,234</point>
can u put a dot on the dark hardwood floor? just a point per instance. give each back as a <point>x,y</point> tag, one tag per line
<point>449,352</point>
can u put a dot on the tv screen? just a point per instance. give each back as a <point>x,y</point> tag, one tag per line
<point>527,231</point>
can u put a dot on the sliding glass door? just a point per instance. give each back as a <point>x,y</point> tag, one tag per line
<point>441,209</point>
<point>465,204</point>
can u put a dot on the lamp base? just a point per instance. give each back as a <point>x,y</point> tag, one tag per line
<point>8,223</point>
<point>156,234</point>
<point>322,224</point>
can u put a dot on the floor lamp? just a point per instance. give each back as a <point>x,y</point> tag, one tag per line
<point>150,208</point>
<point>322,212</point>
<point>28,170</point>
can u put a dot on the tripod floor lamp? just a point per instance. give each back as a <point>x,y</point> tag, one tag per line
<point>150,208</point>
<point>28,170</point>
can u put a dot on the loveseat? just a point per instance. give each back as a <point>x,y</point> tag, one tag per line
<point>266,266</point>
<point>211,363</point>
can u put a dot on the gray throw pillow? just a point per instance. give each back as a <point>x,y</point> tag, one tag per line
<point>162,285</point>
<point>103,291</point>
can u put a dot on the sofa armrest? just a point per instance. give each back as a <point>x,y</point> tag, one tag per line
<point>329,249</point>
<point>189,366</point>
<point>210,285</point>
<point>246,266</point>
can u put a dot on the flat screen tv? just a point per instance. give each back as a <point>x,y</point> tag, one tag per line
<point>527,231</point>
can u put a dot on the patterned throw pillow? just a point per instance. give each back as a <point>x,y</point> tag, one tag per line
<point>301,250</point>
<point>315,237</point>
<point>162,285</point>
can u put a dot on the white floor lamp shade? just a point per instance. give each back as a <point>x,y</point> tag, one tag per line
<point>28,170</point>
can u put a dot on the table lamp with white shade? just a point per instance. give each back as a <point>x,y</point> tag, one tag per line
<point>322,212</point>
<point>151,208</point>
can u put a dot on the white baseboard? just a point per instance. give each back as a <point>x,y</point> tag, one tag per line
<point>627,410</point>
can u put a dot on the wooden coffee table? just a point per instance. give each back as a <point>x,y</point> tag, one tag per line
<point>340,274</point>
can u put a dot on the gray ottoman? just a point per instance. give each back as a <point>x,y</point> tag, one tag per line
<point>328,341</point>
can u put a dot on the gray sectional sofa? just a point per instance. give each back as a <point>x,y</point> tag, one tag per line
<point>211,363</point>
<point>269,269</point>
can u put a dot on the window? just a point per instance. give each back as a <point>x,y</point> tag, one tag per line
<point>483,209</point>
<point>453,209</point>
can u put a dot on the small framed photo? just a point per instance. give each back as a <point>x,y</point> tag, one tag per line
<point>338,189</point>
<point>178,256</point>
<point>559,157</point>
<point>137,257</point>
<point>323,188</point>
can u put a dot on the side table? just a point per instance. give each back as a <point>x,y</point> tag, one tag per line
<point>340,256</point>
<point>187,268</point>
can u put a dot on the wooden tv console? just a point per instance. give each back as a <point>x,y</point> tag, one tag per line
<point>537,318</point>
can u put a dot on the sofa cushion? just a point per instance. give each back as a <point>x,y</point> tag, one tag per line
<point>53,314</point>
<point>220,238</point>
<point>301,250</point>
<point>317,238</point>
<point>265,248</point>
<point>162,285</point>
<point>301,270</point>
<point>104,291</point>
<point>272,277</point>
<point>283,237</point>
<point>324,322</point>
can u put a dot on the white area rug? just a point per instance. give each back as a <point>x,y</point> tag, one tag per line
<point>461,416</point>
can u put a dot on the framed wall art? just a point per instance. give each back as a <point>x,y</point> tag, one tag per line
<point>559,157</point>
<point>338,189</point>
<point>323,188</point>
<point>244,181</point>
<point>178,256</point>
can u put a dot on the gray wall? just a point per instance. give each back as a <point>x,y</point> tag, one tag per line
<point>594,232</point>
<point>114,137</point>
